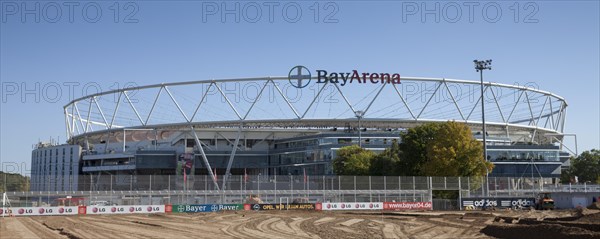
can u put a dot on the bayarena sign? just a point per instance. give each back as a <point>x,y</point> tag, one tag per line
<point>300,77</point>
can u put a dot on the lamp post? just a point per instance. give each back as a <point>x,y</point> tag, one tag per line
<point>479,67</point>
<point>359,114</point>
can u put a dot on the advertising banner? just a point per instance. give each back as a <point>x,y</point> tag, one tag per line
<point>400,206</point>
<point>91,210</point>
<point>497,202</point>
<point>282,206</point>
<point>37,211</point>
<point>207,208</point>
<point>352,206</point>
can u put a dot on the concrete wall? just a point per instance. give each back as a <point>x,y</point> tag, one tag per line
<point>564,200</point>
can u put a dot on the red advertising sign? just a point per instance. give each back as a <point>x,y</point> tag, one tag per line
<point>407,206</point>
<point>82,210</point>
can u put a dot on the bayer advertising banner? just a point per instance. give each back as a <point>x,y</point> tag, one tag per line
<point>352,206</point>
<point>91,210</point>
<point>207,208</point>
<point>37,211</point>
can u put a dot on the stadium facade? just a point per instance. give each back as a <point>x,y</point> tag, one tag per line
<point>291,126</point>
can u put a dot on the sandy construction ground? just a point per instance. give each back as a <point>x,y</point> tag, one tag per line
<point>311,224</point>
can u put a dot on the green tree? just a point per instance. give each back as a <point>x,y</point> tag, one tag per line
<point>353,160</point>
<point>386,163</point>
<point>413,149</point>
<point>454,151</point>
<point>586,167</point>
<point>13,182</point>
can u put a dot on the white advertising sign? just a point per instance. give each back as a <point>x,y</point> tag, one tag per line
<point>37,211</point>
<point>353,206</point>
<point>90,210</point>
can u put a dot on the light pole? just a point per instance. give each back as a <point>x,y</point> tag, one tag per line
<point>359,114</point>
<point>479,67</point>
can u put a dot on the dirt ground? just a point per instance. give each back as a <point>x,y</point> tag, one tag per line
<point>311,224</point>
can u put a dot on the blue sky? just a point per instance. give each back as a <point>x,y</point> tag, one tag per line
<point>551,44</point>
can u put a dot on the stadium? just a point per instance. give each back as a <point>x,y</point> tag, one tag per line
<point>289,125</point>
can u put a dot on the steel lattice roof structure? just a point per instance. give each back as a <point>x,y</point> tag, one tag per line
<point>275,102</point>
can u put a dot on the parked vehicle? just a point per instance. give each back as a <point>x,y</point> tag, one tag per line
<point>544,201</point>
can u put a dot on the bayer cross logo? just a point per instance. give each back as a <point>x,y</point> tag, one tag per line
<point>214,208</point>
<point>299,76</point>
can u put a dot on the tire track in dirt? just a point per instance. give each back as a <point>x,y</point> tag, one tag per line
<point>191,229</point>
<point>295,225</point>
<point>38,228</point>
<point>238,229</point>
<point>92,226</point>
<point>13,227</point>
<point>119,227</point>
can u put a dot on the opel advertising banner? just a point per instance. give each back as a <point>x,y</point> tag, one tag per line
<point>281,206</point>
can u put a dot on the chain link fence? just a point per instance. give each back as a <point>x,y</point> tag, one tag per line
<point>201,189</point>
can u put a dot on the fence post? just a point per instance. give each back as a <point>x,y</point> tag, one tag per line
<point>469,186</point>
<point>431,189</point>
<point>399,189</point>
<point>482,188</point>
<point>354,188</point>
<point>323,189</point>
<point>414,189</point>
<point>384,189</point>
<point>459,195</point>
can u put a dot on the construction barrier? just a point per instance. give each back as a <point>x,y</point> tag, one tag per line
<point>132,209</point>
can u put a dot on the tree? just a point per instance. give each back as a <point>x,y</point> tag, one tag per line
<point>353,160</point>
<point>413,149</point>
<point>454,151</point>
<point>386,163</point>
<point>586,167</point>
<point>13,182</point>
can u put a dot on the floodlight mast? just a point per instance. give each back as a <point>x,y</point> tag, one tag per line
<point>479,67</point>
<point>359,114</point>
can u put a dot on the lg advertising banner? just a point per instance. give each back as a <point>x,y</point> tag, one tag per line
<point>352,206</point>
<point>274,206</point>
<point>90,210</point>
<point>399,206</point>
<point>207,208</point>
<point>38,211</point>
